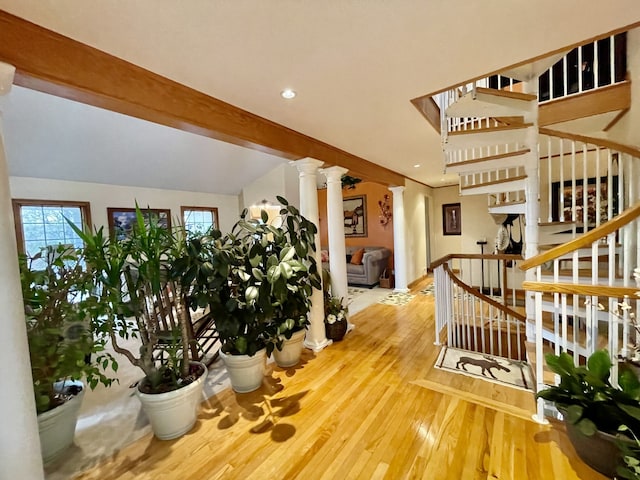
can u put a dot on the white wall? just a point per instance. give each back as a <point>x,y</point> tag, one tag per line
<point>101,196</point>
<point>282,180</point>
<point>415,219</point>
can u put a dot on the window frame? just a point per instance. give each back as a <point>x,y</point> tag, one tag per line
<point>18,203</point>
<point>212,210</point>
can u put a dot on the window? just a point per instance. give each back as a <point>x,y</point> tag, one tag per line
<point>199,219</point>
<point>41,222</point>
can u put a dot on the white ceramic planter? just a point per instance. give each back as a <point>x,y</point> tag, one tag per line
<point>291,350</point>
<point>245,372</point>
<point>58,426</point>
<point>172,414</point>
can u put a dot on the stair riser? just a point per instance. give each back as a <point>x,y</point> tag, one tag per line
<point>471,139</point>
<point>490,165</point>
<point>496,188</point>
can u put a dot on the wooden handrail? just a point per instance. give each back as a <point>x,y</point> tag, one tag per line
<point>584,240</point>
<point>485,256</point>
<point>580,289</point>
<point>482,296</point>
<point>601,142</point>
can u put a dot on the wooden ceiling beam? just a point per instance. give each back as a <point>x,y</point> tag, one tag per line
<point>52,63</point>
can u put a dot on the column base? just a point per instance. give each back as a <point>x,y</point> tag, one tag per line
<point>317,346</point>
<point>400,290</point>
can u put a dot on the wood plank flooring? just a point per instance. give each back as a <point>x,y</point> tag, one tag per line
<point>369,407</point>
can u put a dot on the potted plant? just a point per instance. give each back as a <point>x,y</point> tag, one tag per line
<point>592,408</point>
<point>61,312</point>
<point>146,301</point>
<point>335,318</point>
<point>257,280</point>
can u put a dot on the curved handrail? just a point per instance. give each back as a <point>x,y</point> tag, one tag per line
<point>485,256</point>
<point>584,240</point>
<point>601,142</point>
<point>482,296</point>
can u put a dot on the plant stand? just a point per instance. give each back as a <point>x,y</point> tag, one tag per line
<point>172,414</point>
<point>336,331</point>
<point>246,373</point>
<point>57,427</point>
<point>291,350</point>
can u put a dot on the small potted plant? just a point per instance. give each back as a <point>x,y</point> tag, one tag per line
<point>335,318</point>
<point>61,313</point>
<point>592,408</point>
<point>145,298</point>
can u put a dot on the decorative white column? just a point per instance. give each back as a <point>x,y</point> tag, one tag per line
<point>315,338</point>
<point>19,442</point>
<point>335,228</point>
<point>399,242</point>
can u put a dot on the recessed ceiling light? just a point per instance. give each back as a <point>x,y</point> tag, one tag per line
<point>417,165</point>
<point>288,94</point>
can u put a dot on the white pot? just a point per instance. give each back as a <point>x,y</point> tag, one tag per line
<point>172,414</point>
<point>291,350</point>
<point>245,372</point>
<point>58,426</point>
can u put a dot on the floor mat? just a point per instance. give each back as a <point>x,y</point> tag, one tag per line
<point>429,290</point>
<point>512,373</point>
<point>397,298</point>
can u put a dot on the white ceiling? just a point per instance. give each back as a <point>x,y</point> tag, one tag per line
<point>355,64</point>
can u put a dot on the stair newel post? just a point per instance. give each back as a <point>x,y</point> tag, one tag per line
<point>532,197</point>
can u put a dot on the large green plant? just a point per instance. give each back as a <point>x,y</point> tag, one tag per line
<point>130,274</point>
<point>257,280</point>
<point>62,315</point>
<point>587,398</point>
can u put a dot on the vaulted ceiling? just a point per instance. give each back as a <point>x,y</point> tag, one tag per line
<point>355,66</point>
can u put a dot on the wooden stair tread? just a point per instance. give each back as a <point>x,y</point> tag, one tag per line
<point>501,128</point>
<point>506,204</point>
<point>491,157</point>
<point>494,182</point>
<point>582,273</point>
<point>507,94</point>
<point>568,223</point>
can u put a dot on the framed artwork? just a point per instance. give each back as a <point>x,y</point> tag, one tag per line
<point>451,219</point>
<point>563,194</point>
<point>121,220</point>
<point>355,216</point>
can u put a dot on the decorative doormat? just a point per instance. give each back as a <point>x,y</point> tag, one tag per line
<point>353,292</point>
<point>512,373</point>
<point>397,298</point>
<point>429,290</point>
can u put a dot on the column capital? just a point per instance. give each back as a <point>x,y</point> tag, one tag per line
<point>7,72</point>
<point>307,165</point>
<point>334,174</point>
<point>397,190</point>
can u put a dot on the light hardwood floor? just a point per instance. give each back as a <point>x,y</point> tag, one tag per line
<point>369,407</point>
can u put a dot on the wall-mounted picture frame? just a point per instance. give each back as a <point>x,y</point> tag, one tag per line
<point>355,216</point>
<point>451,219</point>
<point>564,196</point>
<point>121,220</point>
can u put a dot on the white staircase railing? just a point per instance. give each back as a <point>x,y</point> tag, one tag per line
<point>472,314</point>
<point>584,295</point>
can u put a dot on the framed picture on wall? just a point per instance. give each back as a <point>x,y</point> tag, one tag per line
<point>121,220</point>
<point>355,216</point>
<point>451,219</point>
<point>594,195</point>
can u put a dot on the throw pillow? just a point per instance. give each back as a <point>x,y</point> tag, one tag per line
<point>356,258</point>
<point>349,258</point>
<point>324,255</point>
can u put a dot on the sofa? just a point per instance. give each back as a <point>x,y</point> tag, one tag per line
<point>367,273</point>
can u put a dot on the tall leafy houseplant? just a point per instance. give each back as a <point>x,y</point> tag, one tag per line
<point>61,312</point>
<point>129,274</point>
<point>144,296</point>
<point>258,279</point>
<point>62,315</point>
